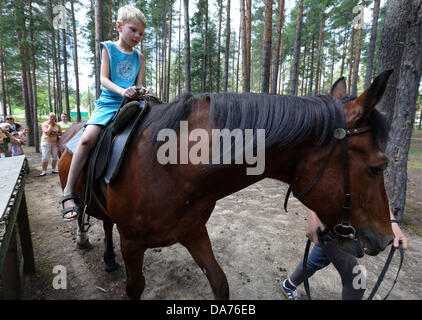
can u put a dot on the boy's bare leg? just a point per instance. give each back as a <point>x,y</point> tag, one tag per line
<point>87,142</point>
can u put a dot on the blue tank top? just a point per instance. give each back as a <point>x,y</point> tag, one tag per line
<point>124,69</point>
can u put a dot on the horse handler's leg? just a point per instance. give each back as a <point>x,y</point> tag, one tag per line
<point>133,255</point>
<point>202,253</point>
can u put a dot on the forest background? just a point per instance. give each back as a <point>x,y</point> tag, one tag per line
<point>49,56</point>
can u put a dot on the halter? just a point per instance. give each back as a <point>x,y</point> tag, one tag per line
<point>339,137</point>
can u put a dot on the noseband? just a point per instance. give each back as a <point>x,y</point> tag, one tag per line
<point>339,137</point>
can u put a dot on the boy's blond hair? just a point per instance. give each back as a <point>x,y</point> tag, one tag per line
<point>128,13</point>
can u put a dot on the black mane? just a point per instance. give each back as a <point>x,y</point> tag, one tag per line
<point>287,120</point>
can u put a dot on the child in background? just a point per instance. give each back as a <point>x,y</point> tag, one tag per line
<point>15,149</point>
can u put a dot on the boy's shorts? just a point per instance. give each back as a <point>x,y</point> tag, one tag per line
<point>49,151</point>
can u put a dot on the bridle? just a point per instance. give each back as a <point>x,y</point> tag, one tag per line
<point>340,136</point>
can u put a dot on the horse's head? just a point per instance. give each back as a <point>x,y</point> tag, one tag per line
<point>369,213</point>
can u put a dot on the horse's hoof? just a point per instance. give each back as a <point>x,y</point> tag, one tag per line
<point>113,266</point>
<point>83,244</point>
<point>133,293</point>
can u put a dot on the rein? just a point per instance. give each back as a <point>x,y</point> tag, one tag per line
<point>340,137</point>
<point>380,278</point>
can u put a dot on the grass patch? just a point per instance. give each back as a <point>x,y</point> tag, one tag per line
<point>415,152</point>
<point>415,165</point>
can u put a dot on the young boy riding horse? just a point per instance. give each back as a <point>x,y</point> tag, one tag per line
<point>122,70</point>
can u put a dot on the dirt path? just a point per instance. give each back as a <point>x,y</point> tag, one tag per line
<point>256,243</point>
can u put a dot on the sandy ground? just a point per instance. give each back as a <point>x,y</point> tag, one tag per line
<point>256,243</point>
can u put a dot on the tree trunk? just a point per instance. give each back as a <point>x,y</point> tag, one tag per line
<point>249,38</point>
<point>245,73</point>
<point>205,53</point>
<point>391,50</point>
<point>169,53</point>
<point>20,30</point>
<point>372,44</point>
<point>34,82</point>
<point>179,85</point>
<point>227,49</point>
<point>320,50</point>
<point>50,105</point>
<point>220,17</point>
<point>76,65</point>
<point>3,83</point>
<point>66,79</point>
<point>276,57</point>
<point>296,51</point>
<point>187,46</point>
<point>238,58</point>
<point>99,37</point>
<point>343,57</point>
<point>110,19</point>
<point>358,50</point>
<point>311,77</point>
<point>352,43</point>
<point>266,61</point>
<point>156,62</point>
<point>305,51</point>
<point>405,109</point>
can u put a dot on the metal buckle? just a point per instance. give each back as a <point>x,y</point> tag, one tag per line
<point>351,235</point>
<point>340,133</point>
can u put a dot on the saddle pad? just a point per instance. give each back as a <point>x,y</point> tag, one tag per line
<point>73,142</point>
<point>119,145</point>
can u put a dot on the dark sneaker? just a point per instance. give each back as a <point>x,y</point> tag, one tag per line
<point>289,290</point>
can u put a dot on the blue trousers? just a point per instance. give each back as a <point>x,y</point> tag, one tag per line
<point>320,257</point>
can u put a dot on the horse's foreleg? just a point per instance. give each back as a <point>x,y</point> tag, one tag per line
<point>202,253</point>
<point>133,255</point>
<point>109,255</point>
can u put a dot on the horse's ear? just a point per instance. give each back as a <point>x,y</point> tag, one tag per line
<point>369,99</point>
<point>338,90</point>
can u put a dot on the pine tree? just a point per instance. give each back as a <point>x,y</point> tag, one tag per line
<point>296,53</point>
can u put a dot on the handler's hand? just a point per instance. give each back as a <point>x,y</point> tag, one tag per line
<point>313,224</point>
<point>399,237</point>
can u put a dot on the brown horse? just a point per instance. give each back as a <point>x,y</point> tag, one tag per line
<point>155,204</point>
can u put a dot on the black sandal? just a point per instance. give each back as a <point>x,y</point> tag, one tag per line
<point>64,211</point>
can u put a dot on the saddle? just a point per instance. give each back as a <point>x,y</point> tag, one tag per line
<point>105,160</point>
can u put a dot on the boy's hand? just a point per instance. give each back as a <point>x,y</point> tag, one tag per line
<point>129,92</point>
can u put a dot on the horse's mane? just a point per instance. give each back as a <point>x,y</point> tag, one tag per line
<point>287,120</point>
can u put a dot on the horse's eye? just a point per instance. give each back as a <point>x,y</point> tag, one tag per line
<point>378,170</point>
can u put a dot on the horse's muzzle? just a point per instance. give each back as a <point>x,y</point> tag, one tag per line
<point>365,242</point>
<point>373,243</point>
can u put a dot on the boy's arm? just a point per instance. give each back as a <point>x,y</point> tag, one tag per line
<point>105,78</point>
